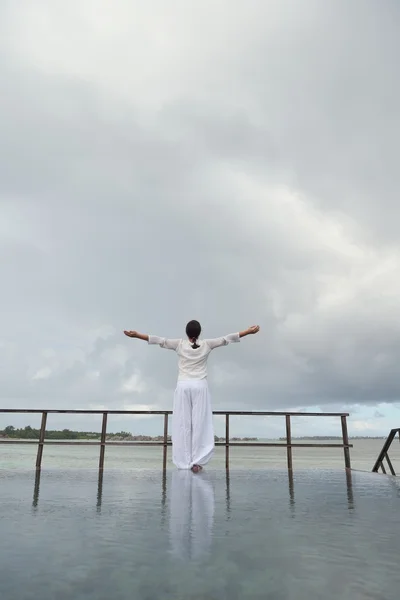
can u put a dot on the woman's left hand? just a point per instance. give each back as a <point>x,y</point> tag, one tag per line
<point>253,329</point>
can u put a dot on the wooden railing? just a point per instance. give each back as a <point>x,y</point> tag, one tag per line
<point>289,445</point>
<point>384,454</point>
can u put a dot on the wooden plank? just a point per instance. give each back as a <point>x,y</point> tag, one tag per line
<point>161,443</point>
<point>283,445</point>
<point>84,412</point>
<point>50,442</point>
<point>289,442</point>
<point>168,412</point>
<point>8,441</point>
<point>279,414</point>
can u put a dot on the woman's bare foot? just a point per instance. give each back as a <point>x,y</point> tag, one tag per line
<point>196,468</point>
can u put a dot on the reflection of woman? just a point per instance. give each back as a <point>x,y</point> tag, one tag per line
<point>192,424</point>
<point>191,514</point>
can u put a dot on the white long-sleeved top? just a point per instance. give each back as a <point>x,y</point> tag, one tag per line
<point>192,363</point>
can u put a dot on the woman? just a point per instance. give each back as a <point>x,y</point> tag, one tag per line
<point>192,420</point>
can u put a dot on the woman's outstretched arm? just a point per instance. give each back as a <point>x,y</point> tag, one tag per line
<point>154,339</point>
<point>137,335</point>
<point>231,338</point>
<point>250,331</point>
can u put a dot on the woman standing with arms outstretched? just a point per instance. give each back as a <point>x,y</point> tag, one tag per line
<point>192,419</point>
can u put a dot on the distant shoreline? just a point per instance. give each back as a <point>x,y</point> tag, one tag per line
<point>29,433</point>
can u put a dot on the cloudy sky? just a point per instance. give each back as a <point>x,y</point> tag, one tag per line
<point>234,162</point>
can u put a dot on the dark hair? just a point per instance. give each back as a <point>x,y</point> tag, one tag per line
<point>193,330</point>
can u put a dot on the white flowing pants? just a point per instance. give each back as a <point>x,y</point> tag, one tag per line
<point>192,424</point>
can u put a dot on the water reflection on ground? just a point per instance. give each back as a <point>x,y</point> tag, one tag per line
<point>192,506</point>
<point>148,535</point>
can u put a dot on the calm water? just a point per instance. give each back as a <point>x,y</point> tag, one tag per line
<point>363,456</point>
<point>255,535</point>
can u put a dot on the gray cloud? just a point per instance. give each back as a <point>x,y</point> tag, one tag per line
<point>235,167</point>
<point>378,415</point>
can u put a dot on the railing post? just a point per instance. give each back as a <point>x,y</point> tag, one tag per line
<point>103,441</point>
<point>227,442</point>
<point>99,490</point>
<point>291,488</point>
<point>36,489</point>
<point>228,495</point>
<point>349,482</point>
<point>389,462</point>
<point>163,497</point>
<point>345,442</point>
<point>41,441</point>
<point>165,450</point>
<point>288,443</point>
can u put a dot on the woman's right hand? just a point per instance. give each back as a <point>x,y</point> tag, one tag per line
<point>132,334</point>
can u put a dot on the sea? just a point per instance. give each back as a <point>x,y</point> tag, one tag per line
<point>256,532</point>
<point>363,456</point>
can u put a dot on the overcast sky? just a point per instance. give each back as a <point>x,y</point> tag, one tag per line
<point>233,162</point>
